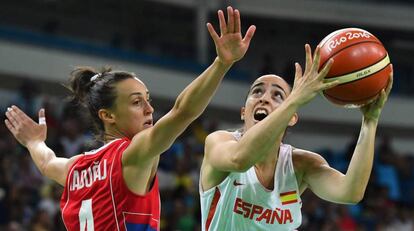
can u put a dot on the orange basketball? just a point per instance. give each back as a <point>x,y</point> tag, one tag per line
<point>361,63</point>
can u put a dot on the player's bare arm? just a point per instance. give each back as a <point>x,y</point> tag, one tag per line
<point>32,135</point>
<point>231,46</point>
<point>349,187</point>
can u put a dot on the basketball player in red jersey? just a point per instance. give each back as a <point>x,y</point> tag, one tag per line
<point>115,187</point>
<point>250,180</point>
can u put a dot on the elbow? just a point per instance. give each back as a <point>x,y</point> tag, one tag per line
<point>354,201</point>
<point>240,164</point>
<point>43,169</point>
<point>44,165</point>
<point>355,198</point>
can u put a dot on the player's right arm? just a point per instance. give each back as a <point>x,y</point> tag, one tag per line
<point>32,135</point>
<point>223,154</point>
<point>231,46</point>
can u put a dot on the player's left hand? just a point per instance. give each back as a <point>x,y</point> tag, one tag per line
<point>230,45</point>
<point>373,109</point>
<point>24,128</point>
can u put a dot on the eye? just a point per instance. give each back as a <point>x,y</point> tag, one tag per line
<point>137,102</point>
<point>257,91</point>
<point>278,95</point>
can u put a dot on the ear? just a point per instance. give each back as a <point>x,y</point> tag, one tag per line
<point>293,120</point>
<point>242,113</point>
<point>106,116</point>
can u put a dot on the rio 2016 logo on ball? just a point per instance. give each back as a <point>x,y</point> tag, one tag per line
<point>361,64</point>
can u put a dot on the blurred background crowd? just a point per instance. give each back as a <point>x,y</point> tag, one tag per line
<point>171,35</point>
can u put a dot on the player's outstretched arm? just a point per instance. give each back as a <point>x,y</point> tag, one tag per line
<point>334,186</point>
<point>231,46</point>
<point>32,135</point>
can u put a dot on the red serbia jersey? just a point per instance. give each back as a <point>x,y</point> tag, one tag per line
<point>96,197</point>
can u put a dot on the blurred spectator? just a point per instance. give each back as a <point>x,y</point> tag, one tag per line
<point>73,139</point>
<point>28,98</point>
<point>345,221</point>
<point>50,199</point>
<point>386,170</point>
<point>41,221</point>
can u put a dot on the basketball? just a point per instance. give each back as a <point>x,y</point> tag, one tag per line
<point>361,64</point>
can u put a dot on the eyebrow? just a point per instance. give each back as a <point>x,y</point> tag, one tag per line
<point>256,85</point>
<point>277,86</point>
<point>273,85</point>
<point>137,93</point>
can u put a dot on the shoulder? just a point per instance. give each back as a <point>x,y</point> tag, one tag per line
<point>65,164</point>
<point>304,159</point>
<point>217,142</point>
<point>220,136</point>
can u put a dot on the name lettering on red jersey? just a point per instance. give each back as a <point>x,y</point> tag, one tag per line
<point>260,214</point>
<point>86,177</point>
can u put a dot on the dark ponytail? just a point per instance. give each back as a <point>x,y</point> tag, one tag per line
<point>95,90</point>
<point>80,82</point>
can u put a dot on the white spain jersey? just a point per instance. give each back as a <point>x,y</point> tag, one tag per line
<point>241,202</point>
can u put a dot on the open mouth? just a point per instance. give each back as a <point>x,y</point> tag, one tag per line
<point>260,114</point>
<point>148,122</point>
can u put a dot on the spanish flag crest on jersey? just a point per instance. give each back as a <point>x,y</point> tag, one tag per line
<point>289,197</point>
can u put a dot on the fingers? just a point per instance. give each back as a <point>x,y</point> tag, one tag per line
<point>249,34</point>
<point>230,20</point>
<point>17,117</point>
<point>212,32</point>
<point>298,72</point>
<point>20,115</point>
<point>10,126</point>
<point>385,92</point>
<point>11,117</point>
<point>382,98</point>
<point>233,25</point>
<point>222,21</point>
<point>389,86</point>
<point>316,59</point>
<point>325,70</point>
<point>308,64</point>
<point>237,22</point>
<point>332,84</point>
<point>8,122</point>
<point>42,117</point>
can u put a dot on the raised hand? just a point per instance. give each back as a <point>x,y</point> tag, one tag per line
<point>373,109</point>
<point>24,129</point>
<point>309,83</point>
<point>230,45</point>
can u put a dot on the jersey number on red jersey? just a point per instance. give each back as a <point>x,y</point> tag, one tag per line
<point>86,216</point>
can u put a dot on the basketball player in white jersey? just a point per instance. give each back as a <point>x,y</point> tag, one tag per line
<point>250,180</point>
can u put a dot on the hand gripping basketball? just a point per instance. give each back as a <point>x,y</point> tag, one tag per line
<point>361,64</point>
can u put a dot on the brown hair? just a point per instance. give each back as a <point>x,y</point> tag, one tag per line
<point>96,90</point>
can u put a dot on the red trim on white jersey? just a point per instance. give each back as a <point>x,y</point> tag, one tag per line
<point>213,207</point>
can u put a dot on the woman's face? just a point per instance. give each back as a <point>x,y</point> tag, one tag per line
<point>265,95</point>
<point>132,108</point>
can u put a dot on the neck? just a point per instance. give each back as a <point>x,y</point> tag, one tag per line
<point>112,134</point>
<point>265,170</point>
<point>109,137</point>
<point>269,160</point>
